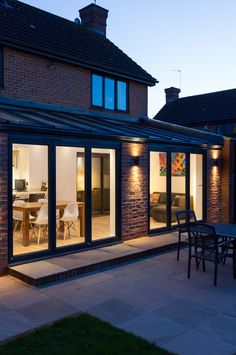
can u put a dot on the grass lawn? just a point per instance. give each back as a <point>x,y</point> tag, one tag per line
<point>80,335</point>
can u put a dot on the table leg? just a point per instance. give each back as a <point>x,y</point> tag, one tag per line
<point>234,258</point>
<point>25,241</point>
<point>82,220</point>
<point>61,223</point>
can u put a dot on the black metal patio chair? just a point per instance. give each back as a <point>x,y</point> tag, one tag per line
<point>184,217</point>
<point>204,245</point>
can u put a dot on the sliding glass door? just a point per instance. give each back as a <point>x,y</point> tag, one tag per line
<point>176,183</point>
<point>63,198</point>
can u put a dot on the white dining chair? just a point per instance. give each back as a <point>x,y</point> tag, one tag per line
<point>70,218</point>
<point>40,225</point>
<point>43,201</point>
<point>18,215</point>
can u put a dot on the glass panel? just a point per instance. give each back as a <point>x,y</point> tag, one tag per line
<point>158,195</point>
<point>30,198</point>
<point>109,94</point>
<point>103,193</point>
<point>121,96</point>
<point>70,202</point>
<point>196,184</point>
<point>178,184</point>
<point>97,96</point>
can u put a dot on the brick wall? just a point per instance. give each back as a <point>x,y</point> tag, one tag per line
<point>3,204</point>
<point>214,187</point>
<point>134,195</point>
<point>228,181</point>
<point>35,78</point>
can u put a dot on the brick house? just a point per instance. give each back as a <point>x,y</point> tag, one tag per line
<point>213,112</point>
<point>81,163</point>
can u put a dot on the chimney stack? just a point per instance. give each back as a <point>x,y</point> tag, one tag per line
<point>94,17</point>
<point>172,94</point>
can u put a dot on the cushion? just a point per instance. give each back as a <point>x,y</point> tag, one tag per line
<point>154,197</point>
<point>182,203</point>
<point>175,202</point>
<point>179,201</point>
<point>162,198</point>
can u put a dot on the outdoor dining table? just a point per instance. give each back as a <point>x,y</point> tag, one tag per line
<point>225,230</point>
<point>228,231</point>
<point>35,206</point>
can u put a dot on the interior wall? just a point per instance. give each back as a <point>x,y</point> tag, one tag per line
<point>38,166</point>
<point>32,165</point>
<point>96,175</point>
<point>178,184</point>
<point>157,182</point>
<point>66,172</point>
<point>196,183</point>
<point>112,192</point>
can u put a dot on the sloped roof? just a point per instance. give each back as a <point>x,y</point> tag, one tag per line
<point>16,116</point>
<point>201,109</point>
<point>31,28</point>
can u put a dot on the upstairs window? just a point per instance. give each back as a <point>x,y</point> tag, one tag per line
<point>109,94</point>
<point>1,66</point>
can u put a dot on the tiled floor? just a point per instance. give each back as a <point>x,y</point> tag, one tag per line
<point>151,297</point>
<point>100,229</point>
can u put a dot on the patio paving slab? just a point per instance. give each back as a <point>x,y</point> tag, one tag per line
<point>150,297</point>
<point>154,328</point>
<point>115,311</point>
<point>46,311</point>
<point>196,343</point>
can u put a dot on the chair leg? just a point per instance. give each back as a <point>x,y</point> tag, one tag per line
<point>234,259</point>
<point>204,265</point>
<point>215,273</point>
<point>39,235</point>
<point>16,225</point>
<point>189,261</point>
<point>178,251</point>
<point>65,227</point>
<point>75,229</point>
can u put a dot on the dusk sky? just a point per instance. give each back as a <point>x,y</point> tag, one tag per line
<point>196,37</point>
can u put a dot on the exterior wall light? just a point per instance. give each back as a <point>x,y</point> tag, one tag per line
<point>215,162</point>
<point>135,161</point>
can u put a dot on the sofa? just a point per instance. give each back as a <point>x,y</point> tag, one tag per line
<point>158,205</point>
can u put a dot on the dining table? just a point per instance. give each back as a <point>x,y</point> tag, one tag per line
<point>32,207</point>
<point>227,232</point>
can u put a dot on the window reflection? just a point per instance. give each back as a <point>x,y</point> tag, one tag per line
<point>97,84</point>
<point>121,95</point>
<point>109,94</point>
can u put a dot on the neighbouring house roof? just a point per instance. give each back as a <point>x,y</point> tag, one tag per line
<point>17,115</point>
<point>29,28</point>
<point>215,107</point>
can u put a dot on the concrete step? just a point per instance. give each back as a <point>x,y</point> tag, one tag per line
<point>61,267</point>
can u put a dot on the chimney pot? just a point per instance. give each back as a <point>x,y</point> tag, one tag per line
<point>172,94</point>
<point>94,17</point>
